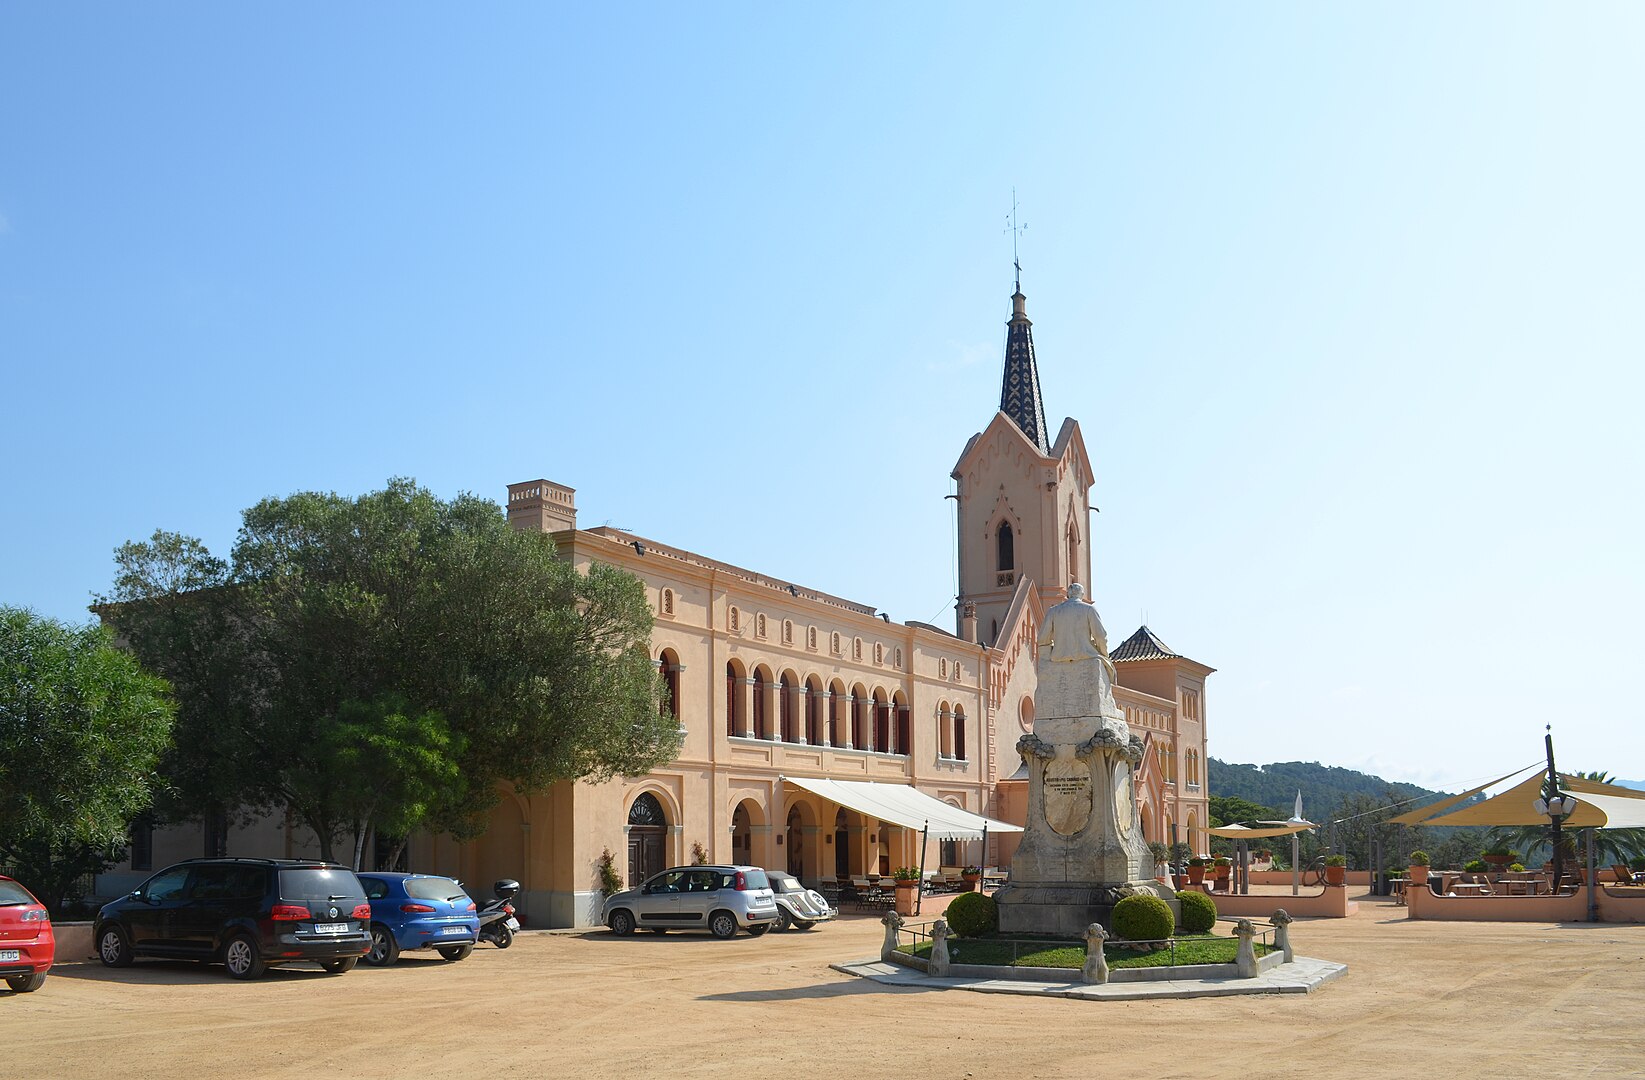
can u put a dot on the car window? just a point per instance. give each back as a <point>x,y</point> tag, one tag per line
<point>668,882</point>
<point>756,879</point>
<point>167,885</point>
<point>376,888</point>
<point>246,883</point>
<point>320,883</point>
<point>702,881</point>
<point>13,893</point>
<point>209,883</point>
<point>434,888</point>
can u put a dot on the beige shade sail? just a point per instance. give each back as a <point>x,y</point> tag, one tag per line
<point>902,805</point>
<point>1599,806</point>
<point>1241,832</point>
<point>1413,817</point>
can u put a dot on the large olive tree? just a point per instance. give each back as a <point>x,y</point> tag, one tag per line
<point>382,662</point>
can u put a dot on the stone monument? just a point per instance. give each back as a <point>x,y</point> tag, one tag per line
<point>1082,848</point>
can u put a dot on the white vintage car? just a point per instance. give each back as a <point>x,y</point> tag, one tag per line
<point>797,906</point>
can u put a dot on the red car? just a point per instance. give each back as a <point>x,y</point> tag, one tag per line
<point>26,943</point>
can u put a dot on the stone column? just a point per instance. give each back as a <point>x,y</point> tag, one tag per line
<point>849,720</point>
<point>1096,961</point>
<point>746,701</point>
<point>803,705</point>
<point>826,713</point>
<point>892,923</point>
<point>939,948</point>
<point>773,712</point>
<point>1246,960</point>
<point>1282,934</point>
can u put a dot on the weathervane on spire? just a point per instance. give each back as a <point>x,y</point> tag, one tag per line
<point>1015,230</point>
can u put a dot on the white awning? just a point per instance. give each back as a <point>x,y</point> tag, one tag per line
<point>902,805</point>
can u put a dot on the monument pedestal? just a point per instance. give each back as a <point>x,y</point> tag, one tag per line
<point>1065,911</point>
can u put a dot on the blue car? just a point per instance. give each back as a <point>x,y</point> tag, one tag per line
<point>418,911</point>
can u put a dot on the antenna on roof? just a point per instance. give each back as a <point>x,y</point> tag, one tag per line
<point>1015,230</point>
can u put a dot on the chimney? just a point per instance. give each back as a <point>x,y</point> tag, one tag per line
<point>542,506</point>
<point>968,621</point>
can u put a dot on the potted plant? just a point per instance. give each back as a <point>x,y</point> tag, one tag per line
<point>1516,868</point>
<point>1477,866</point>
<point>971,875</point>
<point>1419,868</point>
<point>1500,857</point>
<point>1161,856</point>
<point>1221,868</point>
<point>1196,870</point>
<point>906,881</point>
<point>1336,869</point>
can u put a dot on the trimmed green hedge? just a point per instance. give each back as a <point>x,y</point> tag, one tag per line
<point>1199,912</point>
<point>1143,918</point>
<point>973,915</point>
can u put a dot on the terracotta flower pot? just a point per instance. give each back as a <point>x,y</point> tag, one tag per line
<point>906,894</point>
<point>1196,875</point>
<point>1418,875</point>
<point>1336,875</point>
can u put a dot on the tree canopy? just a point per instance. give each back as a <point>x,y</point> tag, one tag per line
<point>81,728</point>
<point>382,662</point>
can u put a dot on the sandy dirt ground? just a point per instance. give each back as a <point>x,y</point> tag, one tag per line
<point>1444,999</point>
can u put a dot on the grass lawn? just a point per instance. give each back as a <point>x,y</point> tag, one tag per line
<point>1003,950</point>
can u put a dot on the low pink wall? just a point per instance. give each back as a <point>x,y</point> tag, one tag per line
<point>1283,877</point>
<point>1423,904</point>
<point>1312,904</point>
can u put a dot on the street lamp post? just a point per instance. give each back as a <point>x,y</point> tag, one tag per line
<point>1557,807</point>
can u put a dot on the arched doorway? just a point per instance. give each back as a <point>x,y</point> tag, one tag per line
<point>795,842</point>
<point>842,846</point>
<point>647,827</point>
<point>742,836</point>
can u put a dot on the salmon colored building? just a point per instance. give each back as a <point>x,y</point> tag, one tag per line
<point>774,679</point>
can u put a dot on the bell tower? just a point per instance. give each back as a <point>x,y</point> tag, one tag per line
<point>1023,498</point>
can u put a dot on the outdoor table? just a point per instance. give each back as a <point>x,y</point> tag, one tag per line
<point>1468,889</point>
<point>1521,886</point>
<point>1399,884</point>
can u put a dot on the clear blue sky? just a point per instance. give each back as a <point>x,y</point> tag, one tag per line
<point>1347,303</point>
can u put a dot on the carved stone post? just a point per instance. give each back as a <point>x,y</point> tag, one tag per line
<point>1096,962</point>
<point>939,947</point>
<point>804,705</point>
<point>1282,934</point>
<point>892,923</point>
<point>1246,961</point>
<point>825,713</point>
<point>849,722</point>
<point>746,700</point>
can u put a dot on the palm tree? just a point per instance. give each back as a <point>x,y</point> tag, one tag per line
<point>1610,845</point>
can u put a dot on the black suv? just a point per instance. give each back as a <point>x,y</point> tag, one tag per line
<point>244,913</point>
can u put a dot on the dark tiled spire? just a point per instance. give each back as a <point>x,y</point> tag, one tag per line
<point>1020,389</point>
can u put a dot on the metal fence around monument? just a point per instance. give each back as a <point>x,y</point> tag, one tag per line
<point>918,933</point>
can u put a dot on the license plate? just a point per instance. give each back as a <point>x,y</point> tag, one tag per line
<point>454,930</point>
<point>10,954</point>
<point>331,928</point>
<point>512,923</point>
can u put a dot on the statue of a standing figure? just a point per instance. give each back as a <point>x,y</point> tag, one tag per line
<point>1073,633</point>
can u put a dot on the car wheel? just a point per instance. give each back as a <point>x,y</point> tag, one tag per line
<point>758,929</point>
<point>456,952</point>
<point>27,984</point>
<point>723,925</point>
<point>798,925</point>
<point>113,948</point>
<point>621,923</point>
<point>340,965</point>
<point>784,919</point>
<point>505,937</point>
<point>241,958</point>
<point>384,949</point>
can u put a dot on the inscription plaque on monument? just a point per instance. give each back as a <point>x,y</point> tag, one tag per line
<point>1067,796</point>
<point>1082,849</point>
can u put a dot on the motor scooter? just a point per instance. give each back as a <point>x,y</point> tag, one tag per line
<point>497,921</point>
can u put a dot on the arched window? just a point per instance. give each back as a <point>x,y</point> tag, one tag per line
<point>1073,553</point>
<point>787,713</point>
<point>735,621</point>
<point>762,721</point>
<point>733,701</point>
<point>647,811</point>
<point>669,664</point>
<point>1005,545</point>
<point>899,719</point>
<point>668,602</point>
<point>856,648</point>
<point>811,639</point>
<point>835,643</point>
<point>859,729</point>
<point>788,632</point>
<point>814,718</point>
<point>882,726</point>
<point>879,653</point>
<point>942,668</point>
<point>959,733</point>
<point>897,663</point>
<point>759,626</point>
<point>945,731</point>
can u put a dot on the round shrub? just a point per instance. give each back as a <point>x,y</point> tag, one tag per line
<point>1143,918</point>
<point>973,914</point>
<point>1199,912</point>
